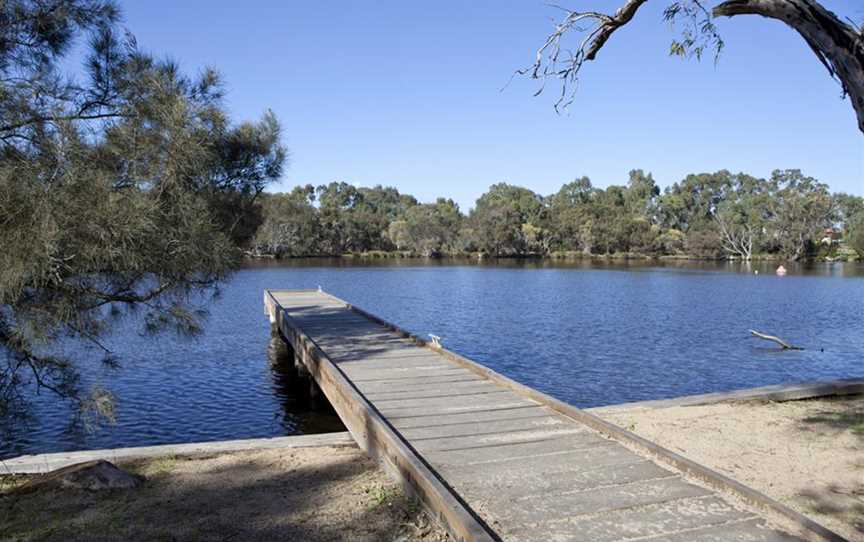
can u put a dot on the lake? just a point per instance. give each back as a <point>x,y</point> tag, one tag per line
<point>589,334</point>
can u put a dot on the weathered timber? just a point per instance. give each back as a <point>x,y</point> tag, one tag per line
<point>783,344</point>
<point>495,460</point>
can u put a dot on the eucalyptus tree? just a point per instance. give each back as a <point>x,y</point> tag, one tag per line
<point>838,44</point>
<point>499,215</point>
<point>290,226</point>
<point>743,216</point>
<point>855,233</point>
<point>570,215</point>
<point>803,210</point>
<point>428,229</point>
<point>125,186</point>
<point>846,208</point>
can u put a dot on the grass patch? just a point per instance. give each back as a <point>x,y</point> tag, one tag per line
<point>159,466</point>
<point>10,482</point>
<point>383,495</point>
<point>852,421</point>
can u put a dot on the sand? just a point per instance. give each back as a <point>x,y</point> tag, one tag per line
<point>808,455</point>
<point>308,494</point>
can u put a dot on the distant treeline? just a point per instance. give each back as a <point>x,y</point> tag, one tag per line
<point>706,215</point>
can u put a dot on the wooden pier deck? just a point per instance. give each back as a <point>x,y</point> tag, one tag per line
<point>495,460</point>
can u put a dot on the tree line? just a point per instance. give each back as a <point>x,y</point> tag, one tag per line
<point>706,215</point>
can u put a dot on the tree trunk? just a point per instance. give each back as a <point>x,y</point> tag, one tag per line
<point>839,46</point>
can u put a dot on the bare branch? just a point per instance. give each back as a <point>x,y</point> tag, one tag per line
<point>783,344</point>
<point>554,62</point>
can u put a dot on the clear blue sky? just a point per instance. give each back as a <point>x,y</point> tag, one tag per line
<point>408,94</point>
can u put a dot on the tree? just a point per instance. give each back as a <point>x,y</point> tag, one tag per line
<point>428,229</point>
<point>290,224</point>
<point>803,209</point>
<point>855,236</point>
<point>846,208</point>
<point>743,214</point>
<point>357,219</point>
<point>641,195</point>
<point>499,215</point>
<point>126,188</point>
<point>692,203</point>
<point>838,45</point>
<point>569,215</point>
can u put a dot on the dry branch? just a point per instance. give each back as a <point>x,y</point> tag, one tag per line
<point>778,340</point>
<point>838,45</point>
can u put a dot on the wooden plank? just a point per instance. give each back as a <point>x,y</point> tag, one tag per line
<point>395,361</point>
<point>662,519</point>
<point>474,455</point>
<point>345,355</point>
<point>750,530</point>
<point>497,438</point>
<point>474,399</point>
<point>555,506</point>
<point>455,418</point>
<point>579,468</point>
<point>384,373</point>
<point>558,473</point>
<point>463,429</point>
<point>428,377</point>
<point>405,384</point>
<point>446,390</point>
<point>395,412</point>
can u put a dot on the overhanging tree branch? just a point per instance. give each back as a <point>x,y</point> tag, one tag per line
<point>837,45</point>
<point>549,61</point>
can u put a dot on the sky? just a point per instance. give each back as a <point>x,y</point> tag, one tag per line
<point>415,94</point>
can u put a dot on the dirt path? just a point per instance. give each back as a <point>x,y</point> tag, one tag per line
<point>309,494</point>
<point>808,455</point>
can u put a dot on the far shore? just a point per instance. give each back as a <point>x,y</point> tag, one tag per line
<point>850,257</point>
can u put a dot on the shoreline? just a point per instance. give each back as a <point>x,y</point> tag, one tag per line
<point>316,494</point>
<point>43,463</point>
<point>803,453</point>
<point>555,256</point>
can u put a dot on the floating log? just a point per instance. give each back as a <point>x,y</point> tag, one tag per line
<point>778,340</point>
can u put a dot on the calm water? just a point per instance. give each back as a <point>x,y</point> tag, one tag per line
<point>589,335</point>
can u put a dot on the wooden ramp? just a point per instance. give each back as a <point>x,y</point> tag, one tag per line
<point>495,460</point>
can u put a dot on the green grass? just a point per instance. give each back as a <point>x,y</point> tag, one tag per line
<point>383,495</point>
<point>160,465</point>
<point>853,421</point>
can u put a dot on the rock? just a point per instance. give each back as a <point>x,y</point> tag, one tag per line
<point>90,475</point>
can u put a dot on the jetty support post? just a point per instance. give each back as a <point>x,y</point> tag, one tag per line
<point>281,352</point>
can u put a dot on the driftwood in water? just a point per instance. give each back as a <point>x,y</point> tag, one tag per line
<point>778,340</point>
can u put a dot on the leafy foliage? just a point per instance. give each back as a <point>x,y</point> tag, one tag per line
<point>706,215</point>
<point>129,188</point>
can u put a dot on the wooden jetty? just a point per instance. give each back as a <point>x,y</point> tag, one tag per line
<point>495,460</point>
